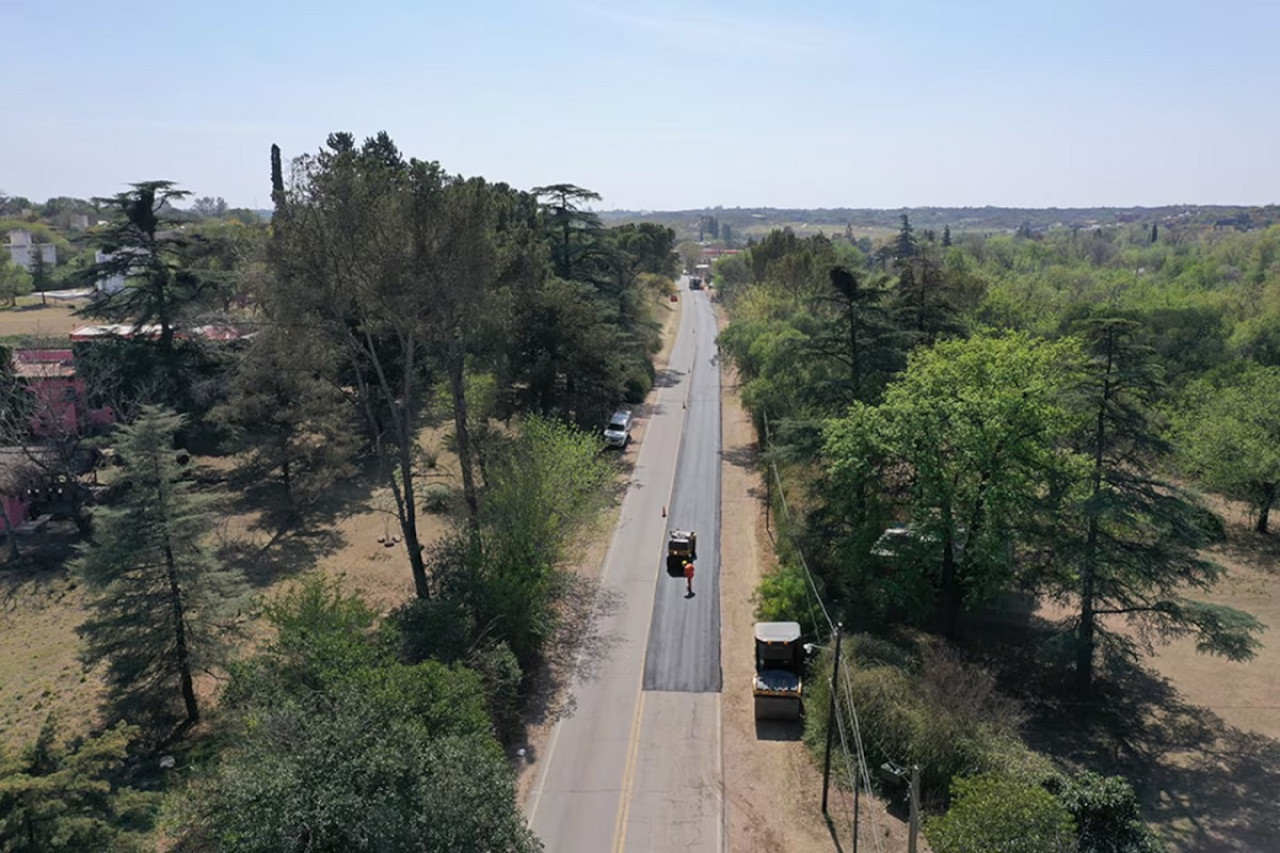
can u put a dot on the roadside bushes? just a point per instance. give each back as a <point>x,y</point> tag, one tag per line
<point>1086,814</point>
<point>993,812</point>
<point>336,744</point>
<point>919,704</point>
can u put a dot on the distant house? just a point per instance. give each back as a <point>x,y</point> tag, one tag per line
<point>32,492</point>
<point>108,284</point>
<point>61,402</point>
<point>23,252</point>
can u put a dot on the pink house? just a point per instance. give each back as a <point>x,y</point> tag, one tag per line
<point>61,408</point>
<point>51,374</point>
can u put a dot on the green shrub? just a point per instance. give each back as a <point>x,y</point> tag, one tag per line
<point>1106,811</point>
<point>942,714</point>
<point>501,675</point>
<point>437,498</point>
<point>636,386</point>
<point>784,596</point>
<point>430,628</point>
<point>991,812</point>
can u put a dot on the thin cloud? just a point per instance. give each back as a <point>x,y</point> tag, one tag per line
<point>731,36</point>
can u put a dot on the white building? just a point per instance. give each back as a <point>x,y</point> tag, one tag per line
<point>109,284</point>
<point>23,252</point>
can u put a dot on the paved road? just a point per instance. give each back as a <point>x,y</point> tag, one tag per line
<point>638,765</point>
<point>684,636</point>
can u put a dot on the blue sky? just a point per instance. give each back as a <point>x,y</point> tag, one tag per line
<point>662,105</point>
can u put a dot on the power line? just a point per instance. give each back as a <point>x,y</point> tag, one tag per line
<point>862,763</point>
<point>782,497</point>
<point>857,734</point>
<point>864,774</point>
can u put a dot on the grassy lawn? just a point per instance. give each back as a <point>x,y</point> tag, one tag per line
<point>31,319</point>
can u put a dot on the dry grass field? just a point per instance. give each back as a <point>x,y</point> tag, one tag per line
<point>40,605</point>
<point>32,319</point>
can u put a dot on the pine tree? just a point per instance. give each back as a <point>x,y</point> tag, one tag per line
<point>862,338</point>
<point>946,236</point>
<point>291,418</point>
<point>161,285</point>
<point>160,602</point>
<point>923,305</point>
<point>55,796</point>
<point>1132,540</point>
<point>277,180</point>
<point>904,246</point>
<point>40,275</point>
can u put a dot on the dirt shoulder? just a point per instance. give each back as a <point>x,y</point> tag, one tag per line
<point>773,787</point>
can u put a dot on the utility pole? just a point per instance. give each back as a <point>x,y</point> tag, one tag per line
<point>857,809</point>
<point>914,820</point>
<point>831,721</point>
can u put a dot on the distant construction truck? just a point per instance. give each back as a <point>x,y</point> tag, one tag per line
<point>779,671</point>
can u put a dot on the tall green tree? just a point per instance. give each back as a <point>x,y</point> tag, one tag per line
<point>340,746</point>
<point>862,338</point>
<point>60,796</point>
<point>286,410</point>
<point>356,237</point>
<point>142,244</point>
<point>572,225</point>
<point>41,275</point>
<point>1229,437</point>
<point>905,244</point>
<point>476,242</point>
<point>544,487</point>
<point>161,607</point>
<point>969,435</point>
<point>14,282</point>
<point>924,305</point>
<point>1128,540</point>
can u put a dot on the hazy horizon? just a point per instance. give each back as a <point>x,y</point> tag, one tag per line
<point>856,105</point>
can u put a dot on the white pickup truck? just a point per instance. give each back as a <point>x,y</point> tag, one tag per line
<point>618,432</point>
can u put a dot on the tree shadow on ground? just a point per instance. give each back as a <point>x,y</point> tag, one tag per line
<point>282,540</point>
<point>39,574</point>
<point>667,378</point>
<point>1258,551</point>
<point>746,457</point>
<point>577,650</point>
<point>282,556</point>
<point>1205,785</point>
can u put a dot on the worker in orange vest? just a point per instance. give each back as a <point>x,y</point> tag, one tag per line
<point>688,577</point>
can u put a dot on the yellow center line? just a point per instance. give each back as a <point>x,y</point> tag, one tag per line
<point>633,746</point>
<point>628,778</point>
